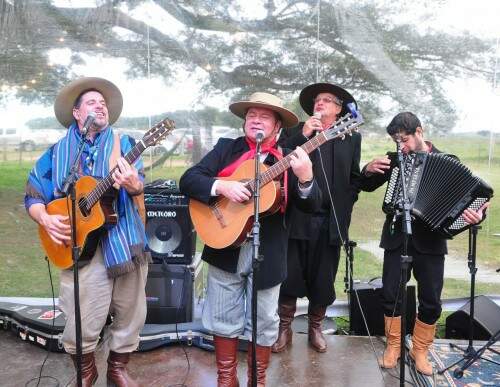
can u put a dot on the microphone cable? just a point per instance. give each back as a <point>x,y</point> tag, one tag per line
<point>40,376</point>
<point>345,248</point>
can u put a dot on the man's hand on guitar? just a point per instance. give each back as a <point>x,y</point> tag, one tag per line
<point>126,176</point>
<point>57,226</point>
<point>233,190</point>
<point>301,165</point>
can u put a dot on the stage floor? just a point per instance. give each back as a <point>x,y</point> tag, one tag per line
<point>349,361</point>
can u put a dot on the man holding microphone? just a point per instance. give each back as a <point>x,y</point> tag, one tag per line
<point>316,239</point>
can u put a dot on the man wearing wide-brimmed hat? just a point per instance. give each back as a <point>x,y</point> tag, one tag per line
<point>113,280</point>
<point>226,311</point>
<point>316,239</point>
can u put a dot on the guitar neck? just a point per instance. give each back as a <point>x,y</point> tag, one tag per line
<point>95,195</point>
<point>340,128</point>
<point>283,164</point>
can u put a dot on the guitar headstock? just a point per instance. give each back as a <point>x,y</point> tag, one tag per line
<point>158,132</point>
<point>345,125</point>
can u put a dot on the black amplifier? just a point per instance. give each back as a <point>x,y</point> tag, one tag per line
<point>164,192</point>
<point>170,233</point>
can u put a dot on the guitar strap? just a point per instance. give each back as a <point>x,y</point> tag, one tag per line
<point>138,199</point>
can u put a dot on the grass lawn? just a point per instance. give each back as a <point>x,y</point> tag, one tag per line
<point>23,270</point>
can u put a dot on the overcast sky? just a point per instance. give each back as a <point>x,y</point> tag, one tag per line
<point>474,98</point>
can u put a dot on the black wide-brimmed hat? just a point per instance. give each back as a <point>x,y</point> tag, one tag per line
<point>309,93</point>
<point>63,105</point>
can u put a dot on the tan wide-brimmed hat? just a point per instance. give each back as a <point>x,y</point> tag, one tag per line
<point>309,93</point>
<point>269,101</point>
<point>63,105</point>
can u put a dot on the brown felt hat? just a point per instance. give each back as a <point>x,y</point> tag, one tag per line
<point>63,105</point>
<point>268,101</point>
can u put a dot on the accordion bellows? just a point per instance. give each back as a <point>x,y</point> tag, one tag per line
<point>440,188</point>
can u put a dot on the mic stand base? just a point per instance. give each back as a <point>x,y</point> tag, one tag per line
<point>470,354</point>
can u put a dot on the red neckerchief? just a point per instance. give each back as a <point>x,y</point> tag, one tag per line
<point>268,147</point>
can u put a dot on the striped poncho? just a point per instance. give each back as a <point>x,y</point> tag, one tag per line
<point>123,245</point>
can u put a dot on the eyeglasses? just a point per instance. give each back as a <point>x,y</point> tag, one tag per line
<point>336,101</point>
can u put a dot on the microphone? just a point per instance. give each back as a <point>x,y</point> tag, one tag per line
<point>260,135</point>
<point>88,123</point>
<point>317,115</point>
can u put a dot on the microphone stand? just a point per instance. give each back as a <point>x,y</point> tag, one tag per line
<point>69,190</point>
<point>405,263</point>
<point>348,279</point>
<point>470,355</point>
<point>257,259</point>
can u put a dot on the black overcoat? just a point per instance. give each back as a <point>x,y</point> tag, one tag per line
<point>341,166</point>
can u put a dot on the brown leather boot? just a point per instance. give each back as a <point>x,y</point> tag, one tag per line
<point>263,356</point>
<point>89,370</point>
<point>226,356</point>
<point>316,314</point>
<point>117,371</point>
<point>286,309</point>
<point>423,337</point>
<point>393,344</point>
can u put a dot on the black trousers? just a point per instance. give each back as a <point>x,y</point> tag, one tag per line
<point>312,266</point>
<point>428,271</point>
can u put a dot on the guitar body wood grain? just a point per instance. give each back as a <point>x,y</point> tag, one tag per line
<point>225,223</point>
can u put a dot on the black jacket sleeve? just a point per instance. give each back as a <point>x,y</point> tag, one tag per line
<point>197,181</point>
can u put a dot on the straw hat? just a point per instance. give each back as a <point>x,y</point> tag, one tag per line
<point>265,100</point>
<point>63,105</point>
<point>309,93</point>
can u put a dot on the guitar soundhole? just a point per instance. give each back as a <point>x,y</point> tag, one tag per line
<point>82,204</point>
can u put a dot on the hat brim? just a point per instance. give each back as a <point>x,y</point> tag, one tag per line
<point>307,95</point>
<point>63,105</point>
<point>288,118</point>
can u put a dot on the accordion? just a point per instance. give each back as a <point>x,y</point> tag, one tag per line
<point>439,189</point>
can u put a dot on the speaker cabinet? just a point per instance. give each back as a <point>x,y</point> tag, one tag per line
<point>369,294</point>
<point>169,294</point>
<point>486,320</point>
<point>169,230</point>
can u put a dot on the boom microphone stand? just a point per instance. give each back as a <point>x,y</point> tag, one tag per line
<point>405,262</point>
<point>257,259</point>
<point>470,354</point>
<point>69,190</point>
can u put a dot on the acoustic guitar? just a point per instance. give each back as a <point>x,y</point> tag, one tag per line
<point>224,223</point>
<point>94,207</point>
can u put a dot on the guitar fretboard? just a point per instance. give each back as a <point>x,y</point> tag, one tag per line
<point>106,183</point>
<point>339,129</point>
<point>282,165</point>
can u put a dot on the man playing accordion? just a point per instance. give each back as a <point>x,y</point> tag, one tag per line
<point>426,247</point>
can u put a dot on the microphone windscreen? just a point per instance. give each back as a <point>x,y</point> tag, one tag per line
<point>317,115</point>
